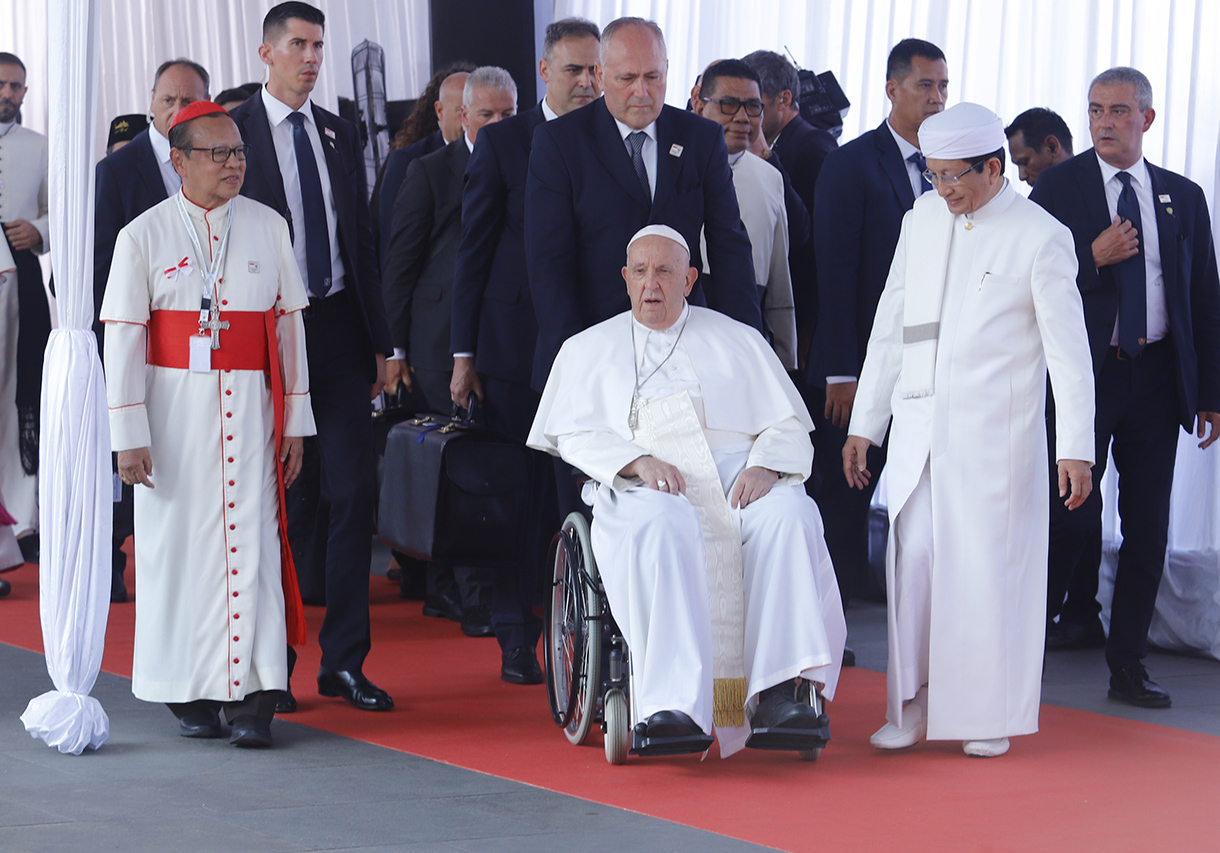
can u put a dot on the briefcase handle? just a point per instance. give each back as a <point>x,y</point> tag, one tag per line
<point>470,415</point>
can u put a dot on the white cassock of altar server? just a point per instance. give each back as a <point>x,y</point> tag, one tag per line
<point>210,611</point>
<point>976,308</point>
<point>703,592</point>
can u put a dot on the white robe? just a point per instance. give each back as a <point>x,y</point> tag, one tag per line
<point>760,198</point>
<point>1010,310</point>
<point>210,618</point>
<point>648,544</point>
<point>23,173</point>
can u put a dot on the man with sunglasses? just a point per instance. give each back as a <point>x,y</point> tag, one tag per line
<point>208,390</point>
<point>980,302</point>
<point>730,96</point>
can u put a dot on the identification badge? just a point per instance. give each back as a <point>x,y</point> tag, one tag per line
<point>201,354</point>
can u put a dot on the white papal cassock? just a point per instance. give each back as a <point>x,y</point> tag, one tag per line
<point>966,473</point>
<point>210,615</point>
<point>649,544</point>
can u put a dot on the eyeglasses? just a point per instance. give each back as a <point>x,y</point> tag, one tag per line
<point>730,106</point>
<point>221,153</point>
<point>951,180</point>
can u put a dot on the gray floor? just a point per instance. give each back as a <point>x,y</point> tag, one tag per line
<point>148,789</point>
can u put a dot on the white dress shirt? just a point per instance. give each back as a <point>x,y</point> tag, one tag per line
<point>906,149</point>
<point>285,153</point>
<point>1141,182</point>
<point>160,147</point>
<point>648,152</point>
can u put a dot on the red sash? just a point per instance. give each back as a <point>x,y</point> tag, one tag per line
<point>248,344</point>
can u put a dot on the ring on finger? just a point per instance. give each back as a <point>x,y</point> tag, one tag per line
<point>661,484</point>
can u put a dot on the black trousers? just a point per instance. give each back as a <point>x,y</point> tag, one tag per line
<point>1074,546</point>
<point>844,509</point>
<point>259,704</point>
<point>335,493</point>
<point>1137,418</point>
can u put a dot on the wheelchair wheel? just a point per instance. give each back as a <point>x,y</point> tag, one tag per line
<point>573,645</point>
<point>618,727</point>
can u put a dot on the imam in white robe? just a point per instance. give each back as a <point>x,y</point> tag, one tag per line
<point>648,543</point>
<point>968,452</point>
<point>23,195</point>
<point>210,618</point>
<point>760,198</point>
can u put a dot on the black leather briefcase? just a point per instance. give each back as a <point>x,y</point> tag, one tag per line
<point>455,492</point>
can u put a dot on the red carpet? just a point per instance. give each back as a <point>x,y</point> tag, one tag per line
<point>1084,782</point>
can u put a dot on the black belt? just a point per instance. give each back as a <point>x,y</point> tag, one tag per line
<point>1118,353</point>
<point>322,305</point>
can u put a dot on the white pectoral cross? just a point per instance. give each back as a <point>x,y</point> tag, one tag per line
<point>213,325</point>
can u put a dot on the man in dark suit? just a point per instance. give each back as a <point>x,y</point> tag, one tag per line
<point>129,182</point>
<point>865,189</point>
<point>423,245</point>
<point>1147,276</point>
<point>307,163</point>
<point>597,175</point>
<point>1038,139</point>
<point>802,148</point>
<point>494,331</point>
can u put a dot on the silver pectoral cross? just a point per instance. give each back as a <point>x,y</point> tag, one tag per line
<point>214,324</point>
<point>633,417</point>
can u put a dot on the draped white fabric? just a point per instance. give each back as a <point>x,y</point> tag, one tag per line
<point>74,458</point>
<point>1008,55</point>
<point>135,36</point>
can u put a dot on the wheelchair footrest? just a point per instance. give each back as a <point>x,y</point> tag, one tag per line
<point>791,740</point>
<point>641,744</point>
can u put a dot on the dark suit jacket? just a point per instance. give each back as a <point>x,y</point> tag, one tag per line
<point>345,165</point>
<point>799,222</point>
<point>583,202</point>
<point>390,182</point>
<point>862,194</point>
<point>1072,192</point>
<point>493,315</point>
<point>128,183</point>
<point>803,148</point>
<point>427,228</point>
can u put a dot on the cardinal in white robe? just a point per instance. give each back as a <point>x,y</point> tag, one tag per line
<point>209,396</point>
<point>711,554</point>
<point>981,300</point>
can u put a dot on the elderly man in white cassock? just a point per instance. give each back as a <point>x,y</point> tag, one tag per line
<point>209,397</point>
<point>981,300</point>
<point>711,554</point>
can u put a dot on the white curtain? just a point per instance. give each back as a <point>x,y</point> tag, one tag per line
<point>135,36</point>
<point>74,448</point>
<point>1008,55</point>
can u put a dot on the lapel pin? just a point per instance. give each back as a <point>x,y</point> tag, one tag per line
<point>675,150</point>
<point>1169,210</point>
<point>252,267</point>
<point>330,133</point>
<point>1165,199</point>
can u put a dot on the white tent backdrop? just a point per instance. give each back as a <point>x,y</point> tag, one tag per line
<point>223,36</point>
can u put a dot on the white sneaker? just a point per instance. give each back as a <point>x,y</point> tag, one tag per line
<point>985,748</point>
<point>913,729</point>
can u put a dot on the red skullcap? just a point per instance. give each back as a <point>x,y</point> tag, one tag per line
<point>195,110</point>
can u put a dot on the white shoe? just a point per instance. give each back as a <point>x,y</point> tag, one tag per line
<point>913,729</point>
<point>985,748</point>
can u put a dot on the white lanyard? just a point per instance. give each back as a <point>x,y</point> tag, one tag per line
<point>211,273</point>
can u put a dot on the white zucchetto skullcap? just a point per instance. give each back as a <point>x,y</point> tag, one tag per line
<point>659,231</point>
<point>960,132</point>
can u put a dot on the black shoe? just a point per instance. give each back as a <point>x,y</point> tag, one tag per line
<point>520,666</point>
<point>201,722</point>
<point>672,724</point>
<point>355,688</point>
<point>251,732</point>
<point>1070,636</point>
<point>778,708</point>
<point>849,656</point>
<point>118,589</point>
<point>29,548</point>
<point>476,621</point>
<point>287,703</point>
<point>1132,685</point>
<point>5,588</point>
<point>443,606</point>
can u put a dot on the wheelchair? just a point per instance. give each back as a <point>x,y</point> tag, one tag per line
<point>588,666</point>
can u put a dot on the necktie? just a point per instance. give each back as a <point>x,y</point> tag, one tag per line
<point>317,235</point>
<point>636,140</point>
<point>922,165</point>
<point>1132,276</point>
